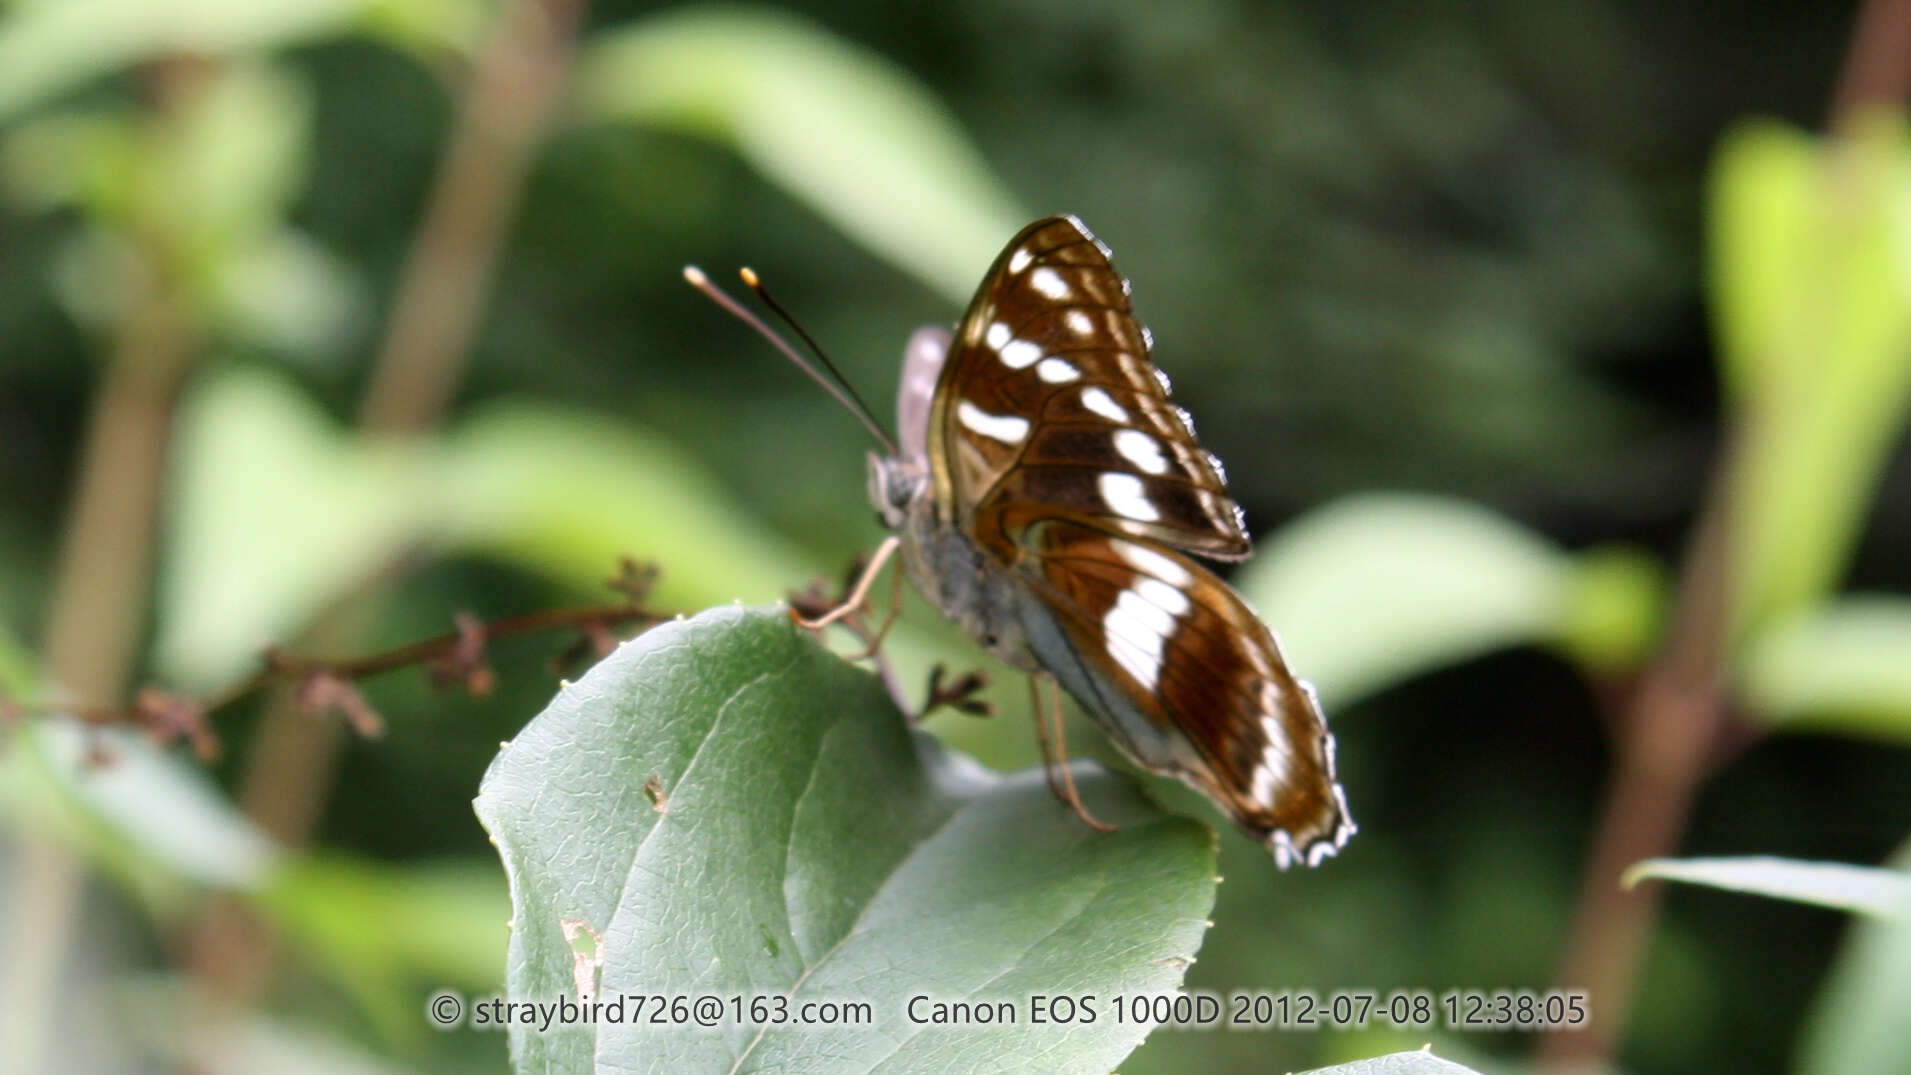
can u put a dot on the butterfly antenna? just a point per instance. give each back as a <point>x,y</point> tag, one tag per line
<point>756,285</point>
<point>839,389</point>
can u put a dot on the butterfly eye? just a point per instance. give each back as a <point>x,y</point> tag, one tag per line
<point>891,488</point>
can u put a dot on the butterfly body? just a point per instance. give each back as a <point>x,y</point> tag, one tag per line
<point>1049,495</point>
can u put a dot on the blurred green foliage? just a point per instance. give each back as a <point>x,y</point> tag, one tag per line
<point>1809,276</point>
<point>1466,252</point>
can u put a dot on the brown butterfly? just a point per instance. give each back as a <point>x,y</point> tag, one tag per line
<point>1046,496</point>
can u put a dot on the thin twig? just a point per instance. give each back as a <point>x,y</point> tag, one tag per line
<point>451,657</point>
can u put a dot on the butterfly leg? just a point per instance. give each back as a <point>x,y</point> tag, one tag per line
<point>1055,756</point>
<point>889,620</point>
<point>959,694</point>
<point>857,594</point>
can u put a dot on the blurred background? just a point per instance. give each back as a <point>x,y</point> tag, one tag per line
<point>1557,355</point>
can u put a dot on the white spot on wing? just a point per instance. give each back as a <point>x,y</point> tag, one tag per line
<point>1142,450</point>
<point>1049,283</point>
<point>1103,404</point>
<point>1020,259</point>
<point>999,335</point>
<point>1273,771</point>
<point>1006,428</point>
<point>1135,649</point>
<point>1162,596</point>
<point>1019,354</point>
<point>1056,371</point>
<point>1139,625</point>
<point>1124,494</point>
<point>1148,560</point>
<point>1167,386</point>
<point>1262,793</point>
<point>1079,322</point>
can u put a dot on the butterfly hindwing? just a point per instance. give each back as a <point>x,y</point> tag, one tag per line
<point>1048,405</point>
<point>1192,682</point>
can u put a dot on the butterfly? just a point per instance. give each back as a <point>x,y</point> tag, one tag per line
<point>1050,499</point>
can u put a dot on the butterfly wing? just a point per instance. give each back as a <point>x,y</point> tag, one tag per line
<point>1192,684</point>
<point>1048,404</point>
<point>1055,455</point>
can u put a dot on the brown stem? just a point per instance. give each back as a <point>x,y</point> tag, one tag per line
<point>282,669</point>
<point>505,107</point>
<point>100,587</point>
<point>1678,715</point>
<point>1677,719</point>
<point>504,110</point>
<point>98,603</point>
<point>1664,749</point>
<point>512,87</point>
<point>513,84</point>
<point>1877,69</point>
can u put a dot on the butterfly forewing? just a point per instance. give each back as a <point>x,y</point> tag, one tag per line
<point>1217,704</point>
<point>1048,405</point>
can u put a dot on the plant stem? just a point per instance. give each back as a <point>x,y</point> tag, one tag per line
<point>1665,741</point>
<point>98,604</point>
<point>504,111</point>
<point>513,85</point>
<point>1677,718</point>
<point>509,94</point>
<point>1877,67</point>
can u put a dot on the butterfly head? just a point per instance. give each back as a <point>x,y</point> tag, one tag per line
<point>892,485</point>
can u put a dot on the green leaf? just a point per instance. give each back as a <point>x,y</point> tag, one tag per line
<point>53,46</point>
<point>50,47</point>
<point>1859,889</point>
<point>567,494</point>
<point>277,510</point>
<point>1810,272</point>
<point>16,665</point>
<point>1839,667</point>
<point>1857,1024</point>
<point>1421,1062</point>
<point>1376,588</point>
<point>274,512</point>
<point>864,143</point>
<point>149,818</point>
<point>230,163</point>
<point>1760,198</point>
<point>722,807</point>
